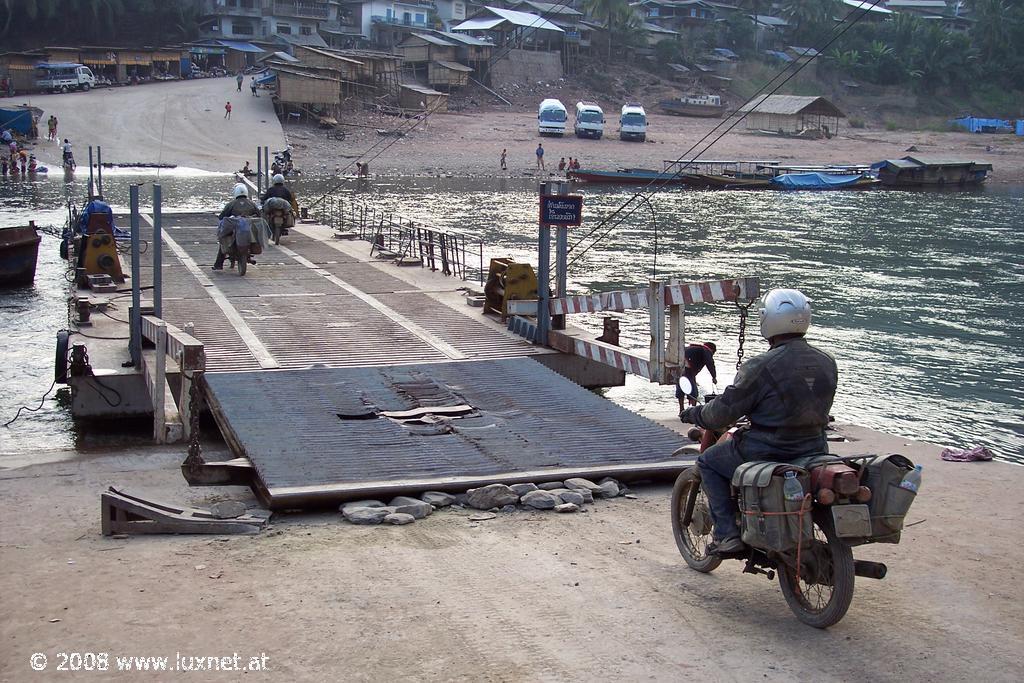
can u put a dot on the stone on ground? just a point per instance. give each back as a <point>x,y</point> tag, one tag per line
<point>438,499</point>
<point>227,509</point>
<point>411,506</point>
<point>366,515</point>
<point>523,489</point>
<point>540,500</point>
<point>551,485</point>
<point>567,507</point>
<point>361,504</point>
<point>491,496</point>
<point>580,483</point>
<point>609,489</point>
<point>399,518</point>
<point>588,497</point>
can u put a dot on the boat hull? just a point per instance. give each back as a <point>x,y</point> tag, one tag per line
<point>19,249</point>
<point>695,110</point>
<point>627,177</point>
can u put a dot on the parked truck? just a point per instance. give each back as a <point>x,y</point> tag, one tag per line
<point>64,76</point>
<point>633,122</point>
<point>551,117</point>
<point>589,120</point>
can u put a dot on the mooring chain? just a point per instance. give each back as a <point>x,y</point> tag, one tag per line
<point>743,308</point>
<point>195,451</point>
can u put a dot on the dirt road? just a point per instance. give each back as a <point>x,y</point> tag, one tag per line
<point>526,596</point>
<point>176,122</point>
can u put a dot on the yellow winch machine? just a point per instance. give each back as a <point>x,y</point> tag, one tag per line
<point>508,281</point>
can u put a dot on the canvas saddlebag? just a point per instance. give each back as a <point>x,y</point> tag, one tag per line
<point>889,503</point>
<point>759,488</point>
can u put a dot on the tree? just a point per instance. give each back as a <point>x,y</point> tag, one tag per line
<point>810,20</point>
<point>609,12</point>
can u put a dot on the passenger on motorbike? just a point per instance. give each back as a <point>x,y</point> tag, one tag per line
<point>786,393</point>
<point>240,206</point>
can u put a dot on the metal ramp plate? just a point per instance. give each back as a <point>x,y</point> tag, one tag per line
<point>319,436</point>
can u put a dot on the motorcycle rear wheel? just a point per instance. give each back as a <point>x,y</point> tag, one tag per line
<point>243,259</point>
<point>825,590</point>
<point>693,539</point>
<point>277,234</point>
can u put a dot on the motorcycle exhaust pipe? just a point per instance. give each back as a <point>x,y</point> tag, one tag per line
<point>869,570</point>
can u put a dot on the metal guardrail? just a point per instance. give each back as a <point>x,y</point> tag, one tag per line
<point>451,252</point>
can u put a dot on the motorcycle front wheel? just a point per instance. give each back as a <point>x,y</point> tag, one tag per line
<point>694,536</point>
<point>825,589</point>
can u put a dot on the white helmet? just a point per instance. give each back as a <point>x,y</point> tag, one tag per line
<point>240,191</point>
<point>278,179</point>
<point>785,311</point>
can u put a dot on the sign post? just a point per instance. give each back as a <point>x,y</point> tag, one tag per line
<point>562,210</point>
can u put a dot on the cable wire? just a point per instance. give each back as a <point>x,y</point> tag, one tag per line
<point>32,410</point>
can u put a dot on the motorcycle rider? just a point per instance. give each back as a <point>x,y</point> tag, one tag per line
<point>786,393</point>
<point>241,206</point>
<point>279,191</point>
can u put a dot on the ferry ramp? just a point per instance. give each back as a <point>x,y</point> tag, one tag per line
<point>338,376</point>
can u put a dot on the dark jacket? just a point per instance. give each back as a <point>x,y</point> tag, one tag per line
<point>699,357</point>
<point>277,191</point>
<point>787,393</point>
<point>239,206</point>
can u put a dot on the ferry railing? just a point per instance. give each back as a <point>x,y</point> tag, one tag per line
<point>448,251</point>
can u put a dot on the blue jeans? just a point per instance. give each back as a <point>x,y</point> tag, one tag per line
<point>717,465</point>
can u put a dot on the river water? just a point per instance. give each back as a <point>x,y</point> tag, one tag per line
<point>915,293</point>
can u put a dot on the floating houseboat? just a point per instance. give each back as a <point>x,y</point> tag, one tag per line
<point>928,172</point>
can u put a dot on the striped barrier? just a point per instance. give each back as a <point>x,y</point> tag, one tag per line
<point>624,300</point>
<point>613,356</point>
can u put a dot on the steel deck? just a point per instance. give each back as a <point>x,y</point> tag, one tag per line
<point>319,436</point>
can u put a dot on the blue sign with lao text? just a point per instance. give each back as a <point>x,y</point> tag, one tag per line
<point>566,209</point>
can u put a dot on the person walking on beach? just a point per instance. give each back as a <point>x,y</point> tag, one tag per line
<point>51,128</point>
<point>540,156</point>
<point>503,166</point>
<point>252,86</point>
<point>227,110</point>
<point>238,81</point>
<point>561,164</point>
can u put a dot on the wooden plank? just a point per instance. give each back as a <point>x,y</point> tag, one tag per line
<point>657,311</point>
<point>185,349</point>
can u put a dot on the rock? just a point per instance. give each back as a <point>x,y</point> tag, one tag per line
<point>227,509</point>
<point>508,508</point>
<point>551,485</point>
<point>438,499</point>
<point>482,516</point>
<point>631,496</point>
<point>567,507</point>
<point>366,515</point>
<point>461,499</point>
<point>522,489</point>
<point>491,496</point>
<point>399,518</point>
<point>609,489</point>
<point>361,504</point>
<point>540,500</point>
<point>579,483</point>
<point>572,498</point>
<point>411,506</point>
<point>588,497</point>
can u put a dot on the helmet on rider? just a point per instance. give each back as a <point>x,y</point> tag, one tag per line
<point>240,191</point>
<point>279,179</point>
<point>785,311</point>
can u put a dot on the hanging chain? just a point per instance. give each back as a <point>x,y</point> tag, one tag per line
<point>195,451</point>
<point>743,308</point>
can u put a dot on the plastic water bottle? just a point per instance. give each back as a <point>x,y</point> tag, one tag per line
<point>912,480</point>
<point>791,488</point>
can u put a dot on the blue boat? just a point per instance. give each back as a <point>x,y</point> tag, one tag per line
<point>19,248</point>
<point>817,180</point>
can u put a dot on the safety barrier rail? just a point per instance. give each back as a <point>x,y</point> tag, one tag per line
<point>177,421</point>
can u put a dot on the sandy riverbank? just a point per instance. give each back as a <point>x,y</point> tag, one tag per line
<point>471,144</point>
<point>526,596</point>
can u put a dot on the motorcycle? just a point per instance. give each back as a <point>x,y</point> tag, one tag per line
<point>239,239</point>
<point>279,216</point>
<point>816,572</point>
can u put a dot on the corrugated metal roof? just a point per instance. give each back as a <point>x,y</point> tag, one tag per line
<point>548,9</point>
<point>420,89</point>
<point>466,40</point>
<point>789,105</point>
<point>804,51</point>
<point>454,66</point>
<point>434,40</point>
<point>239,45</point>
<point>481,24</point>
<point>867,5</point>
<point>654,28</point>
<point>768,20</point>
<point>523,19</point>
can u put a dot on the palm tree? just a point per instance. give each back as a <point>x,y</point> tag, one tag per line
<point>610,12</point>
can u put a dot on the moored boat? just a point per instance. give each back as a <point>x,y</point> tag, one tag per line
<point>627,176</point>
<point>928,172</point>
<point>19,248</point>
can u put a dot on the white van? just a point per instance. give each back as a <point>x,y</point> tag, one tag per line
<point>589,120</point>
<point>64,76</point>
<point>551,117</point>
<point>633,122</point>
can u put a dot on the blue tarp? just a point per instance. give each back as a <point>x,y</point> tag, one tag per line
<point>781,56</point>
<point>18,119</point>
<point>1020,127</point>
<point>266,78</point>
<point>972,124</point>
<point>813,181</point>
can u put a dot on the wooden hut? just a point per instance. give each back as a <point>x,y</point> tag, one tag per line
<point>20,70</point>
<point>299,86</point>
<point>419,98</point>
<point>348,69</point>
<point>422,48</point>
<point>448,75</point>
<point>102,61</point>
<point>134,63</point>
<point>793,115</point>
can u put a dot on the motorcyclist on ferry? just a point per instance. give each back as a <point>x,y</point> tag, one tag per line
<point>240,205</point>
<point>279,190</point>
<point>786,393</point>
